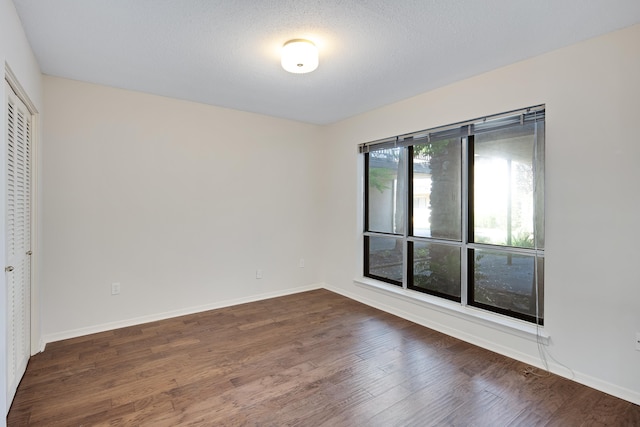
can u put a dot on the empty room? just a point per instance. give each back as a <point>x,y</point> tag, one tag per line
<point>336,213</point>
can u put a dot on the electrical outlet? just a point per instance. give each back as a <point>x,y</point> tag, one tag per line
<point>115,288</point>
<point>301,263</point>
<point>638,341</point>
<point>258,274</point>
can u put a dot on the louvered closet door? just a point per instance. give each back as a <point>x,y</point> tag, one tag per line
<point>18,227</point>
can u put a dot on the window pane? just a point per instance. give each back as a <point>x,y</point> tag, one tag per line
<point>384,258</point>
<point>504,185</point>
<point>539,185</point>
<point>437,190</point>
<point>386,178</point>
<point>436,269</point>
<point>506,282</point>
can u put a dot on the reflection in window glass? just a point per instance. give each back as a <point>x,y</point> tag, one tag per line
<point>507,282</point>
<point>384,258</point>
<point>386,187</point>
<point>436,269</point>
<point>437,190</point>
<point>504,173</point>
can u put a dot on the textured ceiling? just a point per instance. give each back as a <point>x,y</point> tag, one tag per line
<point>372,52</point>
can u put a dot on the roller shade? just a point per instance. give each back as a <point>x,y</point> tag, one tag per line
<point>509,119</point>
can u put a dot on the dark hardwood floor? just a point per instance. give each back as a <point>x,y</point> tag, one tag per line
<point>310,359</point>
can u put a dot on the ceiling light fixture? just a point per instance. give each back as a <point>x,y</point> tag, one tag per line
<point>299,56</point>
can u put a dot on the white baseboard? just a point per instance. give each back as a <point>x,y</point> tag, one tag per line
<point>74,333</point>
<point>629,395</point>
<point>41,345</point>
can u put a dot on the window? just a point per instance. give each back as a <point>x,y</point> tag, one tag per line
<point>458,212</point>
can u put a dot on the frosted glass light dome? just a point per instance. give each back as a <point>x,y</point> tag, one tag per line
<point>299,56</point>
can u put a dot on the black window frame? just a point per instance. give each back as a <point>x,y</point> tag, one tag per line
<point>466,132</point>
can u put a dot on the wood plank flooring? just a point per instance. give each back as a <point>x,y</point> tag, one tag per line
<point>310,359</point>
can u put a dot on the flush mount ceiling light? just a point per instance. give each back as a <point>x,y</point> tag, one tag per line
<point>299,56</point>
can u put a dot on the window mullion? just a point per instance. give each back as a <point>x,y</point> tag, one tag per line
<point>365,220</point>
<point>407,205</point>
<point>466,207</point>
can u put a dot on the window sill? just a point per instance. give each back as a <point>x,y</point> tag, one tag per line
<point>493,320</point>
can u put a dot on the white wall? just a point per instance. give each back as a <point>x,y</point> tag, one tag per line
<point>179,202</point>
<point>592,285</point>
<point>16,53</point>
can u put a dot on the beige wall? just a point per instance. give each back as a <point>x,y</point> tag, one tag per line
<point>178,202</point>
<point>592,285</point>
